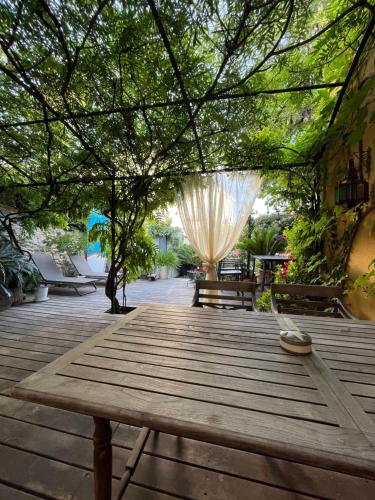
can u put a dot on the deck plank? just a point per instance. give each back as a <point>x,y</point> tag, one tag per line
<point>9,493</point>
<point>221,381</point>
<point>43,476</point>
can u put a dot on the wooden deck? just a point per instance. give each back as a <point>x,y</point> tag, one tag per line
<point>47,453</point>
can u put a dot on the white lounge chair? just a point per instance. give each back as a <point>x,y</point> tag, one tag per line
<point>52,275</point>
<point>83,268</point>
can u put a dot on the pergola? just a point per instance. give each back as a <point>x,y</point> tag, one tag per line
<point>62,117</point>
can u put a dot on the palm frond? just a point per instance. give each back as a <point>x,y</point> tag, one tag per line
<point>16,268</point>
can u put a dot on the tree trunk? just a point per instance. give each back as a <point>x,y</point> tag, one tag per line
<point>7,226</point>
<point>111,289</point>
<point>111,284</point>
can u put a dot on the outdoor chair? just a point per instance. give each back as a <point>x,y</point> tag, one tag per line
<point>244,298</point>
<point>311,300</point>
<point>230,269</point>
<point>83,268</point>
<point>194,276</point>
<point>52,275</point>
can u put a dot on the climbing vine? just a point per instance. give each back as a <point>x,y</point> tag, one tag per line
<point>107,105</point>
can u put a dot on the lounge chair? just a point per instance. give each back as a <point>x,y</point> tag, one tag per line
<point>311,300</point>
<point>52,275</point>
<point>225,301</point>
<point>83,269</point>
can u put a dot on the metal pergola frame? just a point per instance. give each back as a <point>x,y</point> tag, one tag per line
<point>187,101</point>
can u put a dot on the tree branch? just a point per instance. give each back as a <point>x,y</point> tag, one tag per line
<point>353,66</point>
<point>178,76</point>
<point>322,31</point>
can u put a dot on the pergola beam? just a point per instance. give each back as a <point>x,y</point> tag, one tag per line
<point>353,66</point>
<point>93,180</point>
<point>177,102</point>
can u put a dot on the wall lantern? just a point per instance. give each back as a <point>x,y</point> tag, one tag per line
<point>353,189</point>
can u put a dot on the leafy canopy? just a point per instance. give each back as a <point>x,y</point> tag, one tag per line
<point>102,88</point>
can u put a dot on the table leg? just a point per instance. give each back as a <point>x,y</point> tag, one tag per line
<point>264,275</point>
<point>102,459</point>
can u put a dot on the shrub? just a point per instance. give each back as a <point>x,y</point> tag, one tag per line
<point>16,269</point>
<point>279,220</point>
<point>70,242</point>
<point>264,301</point>
<point>64,244</point>
<point>187,256</point>
<point>265,241</point>
<point>167,259</point>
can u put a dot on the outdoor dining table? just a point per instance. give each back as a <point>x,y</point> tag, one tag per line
<point>268,259</point>
<point>220,376</point>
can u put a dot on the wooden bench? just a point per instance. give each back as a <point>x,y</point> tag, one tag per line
<point>244,299</point>
<point>309,300</point>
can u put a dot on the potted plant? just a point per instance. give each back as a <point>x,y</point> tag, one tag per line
<point>17,273</point>
<point>167,262</point>
<point>41,295</point>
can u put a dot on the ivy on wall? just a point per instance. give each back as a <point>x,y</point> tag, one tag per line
<point>348,131</point>
<point>366,281</point>
<point>320,247</point>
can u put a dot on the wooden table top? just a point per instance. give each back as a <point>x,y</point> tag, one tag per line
<point>221,377</point>
<point>271,257</point>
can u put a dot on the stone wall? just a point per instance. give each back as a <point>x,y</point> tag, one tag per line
<point>38,242</point>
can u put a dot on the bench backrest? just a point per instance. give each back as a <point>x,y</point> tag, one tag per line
<point>218,294</point>
<point>311,300</point>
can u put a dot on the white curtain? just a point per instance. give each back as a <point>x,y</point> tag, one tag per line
<point>214,210</point>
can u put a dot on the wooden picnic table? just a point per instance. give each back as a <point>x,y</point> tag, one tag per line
<point>221,377</point>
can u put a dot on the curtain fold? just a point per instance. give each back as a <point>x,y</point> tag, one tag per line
<point>214,210</point>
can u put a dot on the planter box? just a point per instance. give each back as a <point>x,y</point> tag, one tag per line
<point>168,273</point>
<point>123,310</point>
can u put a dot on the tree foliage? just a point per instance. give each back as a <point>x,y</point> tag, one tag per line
<point>263,241</point>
